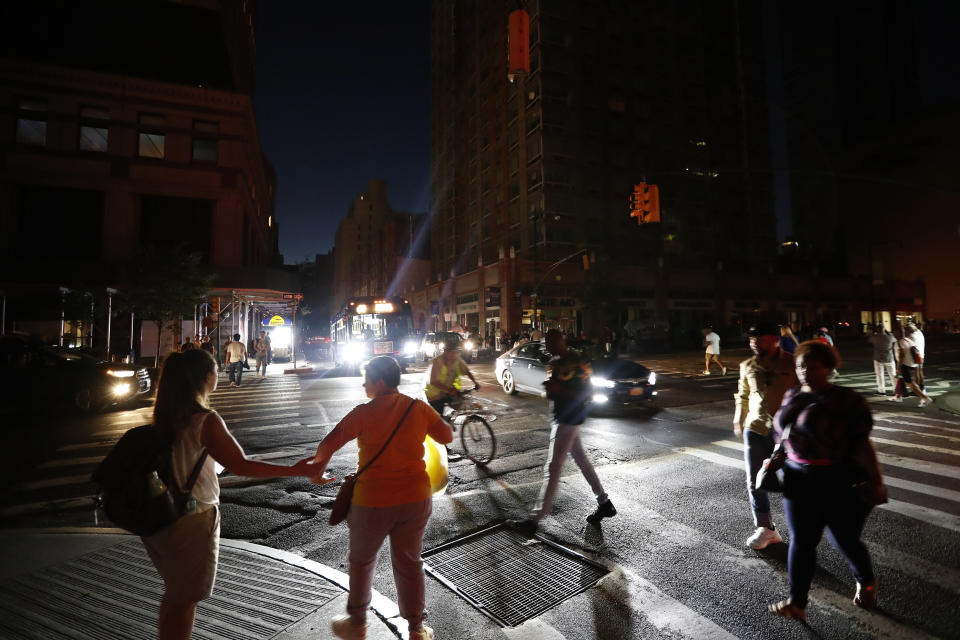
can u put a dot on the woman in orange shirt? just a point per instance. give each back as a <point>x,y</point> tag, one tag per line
<point>391,498</point>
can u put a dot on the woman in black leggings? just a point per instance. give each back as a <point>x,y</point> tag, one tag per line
<point>828,425</point>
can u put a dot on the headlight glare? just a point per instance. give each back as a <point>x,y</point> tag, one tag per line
<point>603,383</point>
<point>599,398</point>
<point>409,348</point>
<point>353,352</point>
<point>120,373</point>
<point>121,389</point>
<point>652,378</point>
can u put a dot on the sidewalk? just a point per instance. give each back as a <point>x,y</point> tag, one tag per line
<point>73,583</point>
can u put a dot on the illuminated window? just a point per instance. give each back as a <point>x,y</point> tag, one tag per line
<point>30,128</point>
<point>94,133</point>
<point>150,144</point>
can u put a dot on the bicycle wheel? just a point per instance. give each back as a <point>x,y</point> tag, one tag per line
<point>478,440</point>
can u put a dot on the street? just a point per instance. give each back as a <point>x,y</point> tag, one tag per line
<point>676,562</point>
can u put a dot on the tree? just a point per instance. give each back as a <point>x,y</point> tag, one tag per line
<point>165,283</point>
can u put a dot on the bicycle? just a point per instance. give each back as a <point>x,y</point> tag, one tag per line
<point>476,436</point>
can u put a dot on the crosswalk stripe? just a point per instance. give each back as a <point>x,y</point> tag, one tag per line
<point>930,516</point>
<point>877,427</point>
<point>275,427</point>
<point>913,464</point>
<point>912,445</point>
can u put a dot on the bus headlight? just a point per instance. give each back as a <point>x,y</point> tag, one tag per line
<point>353,352</point>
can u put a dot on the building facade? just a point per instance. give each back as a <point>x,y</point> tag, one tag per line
<point>125,126</point>
<point>530,176</point>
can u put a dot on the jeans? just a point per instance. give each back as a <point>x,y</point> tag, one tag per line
<point>815,497</point>
<point>756,449</point>
<point>369,526</point>
<point>564,439</point>
<point>236,371</point>
<point>878,369</point>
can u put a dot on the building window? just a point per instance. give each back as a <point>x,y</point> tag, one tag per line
<point>150,144</point>
<point>30,128</point>
<point>205,144</point>
<point>94,133</point>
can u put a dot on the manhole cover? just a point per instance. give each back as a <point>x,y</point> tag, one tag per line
<point>507,578</point>
<point>115,593</point>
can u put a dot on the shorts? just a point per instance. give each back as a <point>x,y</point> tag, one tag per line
<point>906,372</point>
<point>185,554</point>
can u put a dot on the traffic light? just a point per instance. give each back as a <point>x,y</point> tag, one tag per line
<point>652,210</point>
<point>636,202</point>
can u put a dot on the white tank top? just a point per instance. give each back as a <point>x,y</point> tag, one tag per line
<point>186,452</point>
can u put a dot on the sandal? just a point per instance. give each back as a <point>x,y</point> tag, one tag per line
<point>785,609</point>
<point>866,596</point>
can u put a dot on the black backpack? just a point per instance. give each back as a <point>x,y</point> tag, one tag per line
<point>125,475</point>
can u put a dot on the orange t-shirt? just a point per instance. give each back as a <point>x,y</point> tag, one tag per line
<point>399,475</point>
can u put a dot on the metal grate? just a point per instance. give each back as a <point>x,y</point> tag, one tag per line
<point>507,578</point>
<point>115,593</point>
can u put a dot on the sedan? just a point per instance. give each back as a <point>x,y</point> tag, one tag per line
<point>32,374</point>
<point>614,381</point>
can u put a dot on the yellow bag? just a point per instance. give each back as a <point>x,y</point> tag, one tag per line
<point>435,458</point>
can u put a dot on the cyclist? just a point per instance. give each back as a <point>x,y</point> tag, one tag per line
<point>446,379</point>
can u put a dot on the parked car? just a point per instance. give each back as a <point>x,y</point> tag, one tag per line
<point>615,381</point>
<point>33,374</point>
<point>432,345</point>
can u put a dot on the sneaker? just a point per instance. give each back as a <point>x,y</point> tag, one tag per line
<point>453,456</point>
<point>923,403</point>
<point>344,627</point>
<point>233,384</point>
<point>866,596</point>
<point>705,372</point>
<point>723,371</point>
<point>526,527</point>
<point>763,538</point>
<point>785,609</point>
<point>425,633</point>
<point>605,510</point>
<point>895,399</point>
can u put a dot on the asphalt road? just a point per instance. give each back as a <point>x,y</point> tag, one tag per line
<point>678,565</point>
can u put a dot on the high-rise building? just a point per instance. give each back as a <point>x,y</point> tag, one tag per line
<point>529,176</point>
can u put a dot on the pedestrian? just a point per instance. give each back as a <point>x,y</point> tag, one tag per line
<point>906,366</point>
<point>829,427</point>
<point>568,388</point>
<point>208,346</point>
<point>764,379</point>
<point>187,345</point>
<point>825,332</point>
<point>916,336</point>
<point>391,498</point>
<point>884,359</point>
<point>262,348</point>
<point>185,553</point>
<point>712,343</point>
<point>235,358</point>
<point>788,341</point>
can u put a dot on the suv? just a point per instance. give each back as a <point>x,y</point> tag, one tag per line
<point>432,344</point>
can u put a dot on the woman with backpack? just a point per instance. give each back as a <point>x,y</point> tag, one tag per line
<point>185,552</point>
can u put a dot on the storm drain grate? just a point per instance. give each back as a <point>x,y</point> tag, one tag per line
<point>115,593</point>
<point>507,578</point>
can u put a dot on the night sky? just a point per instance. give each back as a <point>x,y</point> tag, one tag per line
<point>342,96</point>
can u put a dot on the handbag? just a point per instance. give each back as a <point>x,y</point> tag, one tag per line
<point>866,480</point>
<point>767,477</point>
<point>341,504</point>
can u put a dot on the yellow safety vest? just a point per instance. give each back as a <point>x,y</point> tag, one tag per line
<point>435,393</point>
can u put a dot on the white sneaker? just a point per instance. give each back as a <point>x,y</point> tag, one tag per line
<point>705,373</point>
<point>425,633</point>
<point>343,627</point>
<point>895,399</point>
<point>723,371</point>
<point>923,403</point>
<point>763,537</point>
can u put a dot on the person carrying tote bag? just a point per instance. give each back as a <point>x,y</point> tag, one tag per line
<point>830,478</point>
<point>391,494</point>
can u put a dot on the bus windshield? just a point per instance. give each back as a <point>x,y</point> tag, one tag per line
<point>375,326</point>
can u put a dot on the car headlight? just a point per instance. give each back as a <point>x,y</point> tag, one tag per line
<point>652,378</point>
<point>120,373</point>
<point>602,382</point>
<point>122,389</point>
<point>353,352</point>
<point>409,348</point>
<point>599,398</point>
<point>468,345</point>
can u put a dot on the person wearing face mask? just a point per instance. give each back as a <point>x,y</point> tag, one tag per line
<point>764,379</point>
<point>391,499</point>
<point>829,426</point>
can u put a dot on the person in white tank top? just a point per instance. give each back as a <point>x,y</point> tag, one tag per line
<point>185,553</point>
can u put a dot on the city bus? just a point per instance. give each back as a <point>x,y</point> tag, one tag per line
<point>369,326</point>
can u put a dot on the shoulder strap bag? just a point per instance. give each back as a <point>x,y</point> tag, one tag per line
<point>767,477</point>
<point>341,504</point>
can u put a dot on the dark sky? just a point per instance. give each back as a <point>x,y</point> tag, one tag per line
<point>342,96</point>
